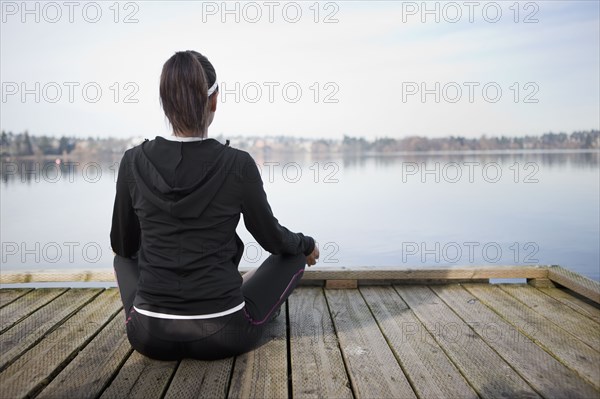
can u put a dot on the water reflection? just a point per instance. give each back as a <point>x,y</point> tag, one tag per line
<point>587,160</point>
<point>29,171</point>
<point>371,210</point>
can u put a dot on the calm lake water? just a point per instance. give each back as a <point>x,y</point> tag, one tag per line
<point>409,211</point>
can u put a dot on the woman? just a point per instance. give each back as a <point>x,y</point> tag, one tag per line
<point>177,206</point>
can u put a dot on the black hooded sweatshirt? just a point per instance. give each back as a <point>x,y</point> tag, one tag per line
<point>177,206</point>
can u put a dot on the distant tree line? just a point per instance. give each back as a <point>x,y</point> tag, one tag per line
<point>24,144</point>
<point>548,141</point>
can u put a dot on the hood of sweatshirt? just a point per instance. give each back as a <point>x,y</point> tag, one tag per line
<point>182,178</point>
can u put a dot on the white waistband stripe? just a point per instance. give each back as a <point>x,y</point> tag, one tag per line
<point>190,317</point>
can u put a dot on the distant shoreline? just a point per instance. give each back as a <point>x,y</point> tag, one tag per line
<point>25,146</point>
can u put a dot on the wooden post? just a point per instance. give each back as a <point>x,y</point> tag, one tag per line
<point>540,282</point>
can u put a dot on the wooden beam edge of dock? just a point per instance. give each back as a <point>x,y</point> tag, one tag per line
<point>340,277</point>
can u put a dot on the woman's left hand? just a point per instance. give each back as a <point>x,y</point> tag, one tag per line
<point>312,258</point>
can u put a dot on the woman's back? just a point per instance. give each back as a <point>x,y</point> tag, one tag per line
<point>187,197</point>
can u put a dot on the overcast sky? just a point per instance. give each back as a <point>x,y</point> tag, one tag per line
<point>307,69</point>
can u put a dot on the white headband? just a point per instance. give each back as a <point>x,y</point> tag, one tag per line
<point>212,88</point>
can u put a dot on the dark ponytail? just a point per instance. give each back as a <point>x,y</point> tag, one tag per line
<point>184,83</point>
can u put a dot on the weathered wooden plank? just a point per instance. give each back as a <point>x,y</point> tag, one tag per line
<point>427,367</point>
<point>576,282</point>
<point>438,273</point>
<point>341,284</point>
<point>27,304</point>
<point>389,283</point>
<point>141,377</point>
<point>486,371</point>
<point>32,370</point>
<point>543,372</point>
<point>27,333</point>
<point>90,371</point>
<point>56,276</point>
<point>574,303</point>
<point>580,326</point>
<point>200,379</point>
<point>262,373</point>
<point>8,295</point>
<point>571,351</point>
<point>372,367</point>
<point>328,273</point>
<point>314,349</point>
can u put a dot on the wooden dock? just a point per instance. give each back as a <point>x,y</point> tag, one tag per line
<point>443,333</point>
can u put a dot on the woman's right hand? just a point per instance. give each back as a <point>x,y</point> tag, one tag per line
<point>312,258</point>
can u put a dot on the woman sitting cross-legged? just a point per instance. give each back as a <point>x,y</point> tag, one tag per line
<point>177,206</point>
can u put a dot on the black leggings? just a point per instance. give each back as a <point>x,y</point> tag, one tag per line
<point>215,338</point>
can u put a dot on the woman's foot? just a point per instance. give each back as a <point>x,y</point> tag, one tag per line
<point>275,314</point>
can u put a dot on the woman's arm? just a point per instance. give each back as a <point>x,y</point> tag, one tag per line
<point>125,230</point>
<point>262,224</point>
